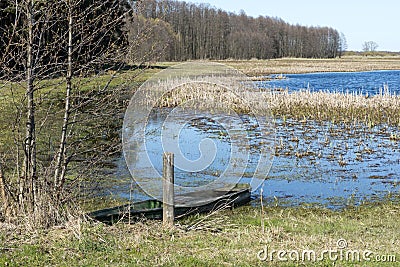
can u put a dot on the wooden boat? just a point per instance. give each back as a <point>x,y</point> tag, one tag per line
<point>185,204</point>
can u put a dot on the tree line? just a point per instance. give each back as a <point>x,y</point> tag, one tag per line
<point>200,31</point>
<point>170,30</point>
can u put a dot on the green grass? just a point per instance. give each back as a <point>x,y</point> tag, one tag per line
<point>49,98</point>
<point>236,242</point>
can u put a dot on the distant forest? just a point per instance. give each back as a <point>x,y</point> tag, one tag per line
<point>200,31</point>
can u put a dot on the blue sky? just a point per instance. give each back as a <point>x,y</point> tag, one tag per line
<point>360,21</point>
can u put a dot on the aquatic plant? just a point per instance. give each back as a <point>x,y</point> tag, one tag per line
<point>337,107</point>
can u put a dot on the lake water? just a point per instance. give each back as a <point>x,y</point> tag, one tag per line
<point>318,163</point>
<point>314,163</point>
<point>371,82</point>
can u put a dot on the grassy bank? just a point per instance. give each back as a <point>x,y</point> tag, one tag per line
<point>229,238</point>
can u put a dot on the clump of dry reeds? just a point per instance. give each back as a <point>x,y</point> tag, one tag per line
<point>227,95</point>
<point>337,106</point>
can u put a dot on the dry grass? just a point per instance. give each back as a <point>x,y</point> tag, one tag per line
<point>228,94</point>
<point>236,243</point>
<point>295,65</point>
<point>336,107</point>
<point>383,108</point>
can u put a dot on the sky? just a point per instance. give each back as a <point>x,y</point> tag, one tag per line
<point>358,20</point>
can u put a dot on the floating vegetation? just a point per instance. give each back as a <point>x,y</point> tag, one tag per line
<point>268,77</point>
<point>314,160</point>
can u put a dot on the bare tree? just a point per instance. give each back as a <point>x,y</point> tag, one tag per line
<point>61,53</point>
<point>370,46</point>
<point>205,32</point>
<point>148,37</point>
<point>3,193</point>
<point>343,44</point>
<point>25,62</point>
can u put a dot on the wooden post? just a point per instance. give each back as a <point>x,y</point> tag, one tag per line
<point>168,189</point>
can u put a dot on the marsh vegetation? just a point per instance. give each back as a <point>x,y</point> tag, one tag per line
<point>67,72</point>
<point>323,140</point>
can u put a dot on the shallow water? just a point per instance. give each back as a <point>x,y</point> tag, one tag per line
<point>319,163</point>
<point>332,164</point>
<point>371,82</point>
<point>323,163</point>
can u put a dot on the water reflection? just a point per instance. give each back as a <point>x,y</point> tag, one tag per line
<point>315,162</point>
<point>211,150</point>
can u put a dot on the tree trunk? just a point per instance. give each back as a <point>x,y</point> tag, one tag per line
<point>30,138</point>
<point>61,161</point>
<point>3,193</point>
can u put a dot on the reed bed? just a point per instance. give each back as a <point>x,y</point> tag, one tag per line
<point>296,65</point>
<point>383,108</point>
<point>337,107</point>
<point>229,94</point>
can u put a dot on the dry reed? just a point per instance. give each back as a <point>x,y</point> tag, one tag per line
<point>302,65</point>
<point>337,107</point>
<point>383,108</point>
